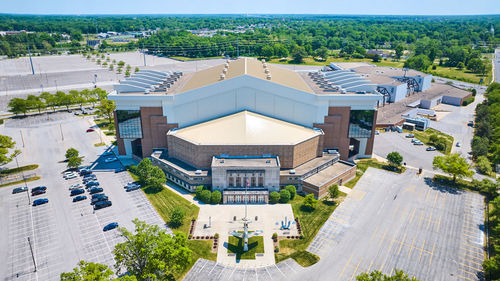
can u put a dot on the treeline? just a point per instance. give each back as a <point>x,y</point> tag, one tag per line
<point>432,36</point>
<point>60,98</point>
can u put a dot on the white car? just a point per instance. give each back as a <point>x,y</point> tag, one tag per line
<point>110,159</point>
<point>132,185</point>
<point>75,186</point>
<point>70,176</point>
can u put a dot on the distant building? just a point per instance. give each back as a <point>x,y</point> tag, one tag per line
<point>93,43</point>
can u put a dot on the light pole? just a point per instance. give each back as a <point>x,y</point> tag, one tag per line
<point>95,80</point>
<point>22,174</point>
<point>41,86</point>
<point>55,81</point>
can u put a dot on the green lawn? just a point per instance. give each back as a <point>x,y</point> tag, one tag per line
<point>462,75</point>
<point>21,181</point>
<point>424,137</point>
<point>164,200</point>
<point>312,61</point>
<point>255,245</point>
<point>310,222</point>
<point>18,170</point>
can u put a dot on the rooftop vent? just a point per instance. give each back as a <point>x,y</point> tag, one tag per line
<point>198,172</point>
<point>226,65</point>
<point>221,161</point>
<point>263,60</point>
<point>224,70</point>
<point>264,65</point>
<point>222,76</point>
<point>266,70</point>
<point>268,161</point>
<point>292,172</point>
<point>268,76</point>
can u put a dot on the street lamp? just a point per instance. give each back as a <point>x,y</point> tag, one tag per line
<point>55,81</point>
<point>95,80</point>
<point>16,153</point>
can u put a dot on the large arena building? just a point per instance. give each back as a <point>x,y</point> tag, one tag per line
<point>247,123</point>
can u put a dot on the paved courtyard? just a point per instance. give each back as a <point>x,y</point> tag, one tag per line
<point>269,218</point>
<point>62,232</point>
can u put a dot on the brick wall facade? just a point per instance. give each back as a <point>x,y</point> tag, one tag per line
<point>336,129</point>
<point>154,129</point>
<point>322,191</point>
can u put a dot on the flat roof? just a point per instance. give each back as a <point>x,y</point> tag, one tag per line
<point>245,162</point>
<point>246,128</point>
<point>245,66</point>
<point>387,71</point>
<point>327,174</point>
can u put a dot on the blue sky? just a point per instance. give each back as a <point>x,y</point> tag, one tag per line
<point>372,7</point>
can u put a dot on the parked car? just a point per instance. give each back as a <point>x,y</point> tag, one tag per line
<point>19,189</point>
<point>107,153</point>
<point>431,148</point>
<point>89,176</point>
<point>102,204</point>
<point>410,136</point>
<point>90,130</point>
<point>70,176</point>
<point>96,190</point>
<point>40,201</point>
<point>97,195</point>
<point>132,183</point>
<point>38,188</point>
<point>133,187</point>
<point>38,192</point>
<point>470,124</point>
<point>110,226</point>
<point>121,169</point>
<point>99,199</point>
<point>84,172</point>
<point>86,180</point>
<point>92,183</point>
<point>418,143</point>
<point>458,144</point>
<point>76,192</point>
<point>110,159</point>
<point>79,198</point>
<point>75,186</point>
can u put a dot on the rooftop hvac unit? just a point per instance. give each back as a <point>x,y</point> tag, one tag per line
<point>263,60</point>
<point>292,172</point>
<point>226,65</point>
<point>224,70</point>
<point>264,65</point>
<point>268,76</point>
<point>342,91</point>
<point>222,76</point>
<point>198,172</point>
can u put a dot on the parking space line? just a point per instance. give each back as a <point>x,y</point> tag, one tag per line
<point>475,257</point>
<point>429,221</point>
<point>480,264</point>
<point>471,273</point>
<point>480,270</point>
<point>401,243</point>
<point>370,267</point>
<point>432,252</point>
<point>356,269</point>
<point>423,245</point>
<point>374,232</point>
<point>345,266</point>
<point>411,247</point>
<point>467,278</point>
<point>383,238</point>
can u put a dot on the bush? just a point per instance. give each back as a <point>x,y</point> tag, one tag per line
<point>468,101</point>
<point>440,144</point>
<point>309,203</point>
<point>216,197</point>
<point>176,217</point>
<point>205,196</point>
<point>483,165</point>
<point>433,138</point>
<point>275,236</point>
<point>395,158</point>
<point>216,235</point>
<point>198,191</point>
<point>284,196</point>
<point>274,197</point>
<point>292,190</point>
<point>276,249</point>
<point>333,191</point>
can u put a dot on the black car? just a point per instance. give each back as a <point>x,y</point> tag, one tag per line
<point>92,183</point>
<point>102,204</point>
<point>40,201</point>
<point>119,170</point>
<point>79,198</point>
<point>77,192</point>
<point>85,172</point>
<point>110,226</point>
<point>96,190</point>
<point>98,199</point>
<point>19,189</point>
<point>98,195</point>
<point>38,192</point>
<point>38,188</point>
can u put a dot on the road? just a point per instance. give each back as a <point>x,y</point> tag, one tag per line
<point>496,65</point>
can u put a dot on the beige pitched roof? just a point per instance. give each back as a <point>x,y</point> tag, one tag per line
<point>245,128</point>
<point>246,66</point>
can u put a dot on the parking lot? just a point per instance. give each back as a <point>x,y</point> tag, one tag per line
<point>404,222</point>
<point>63,232</point>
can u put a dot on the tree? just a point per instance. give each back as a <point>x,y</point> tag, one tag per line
<point>486,186</point>
<point>6,143</point>
<point>483,165</point>
<point>433,138</point>
<point>454,165</point>
<point>18,105</point>
<point>284,196</point>
<point>376,58</point>
<point>71,152</point>
<point>157,178</point>
<point>378,276</point>
<point>298,54</point>
<point>460,66</point>
<point>398,51</point>
<point>74,162</point>
<point>216,197</point>
<point>150,253</point>
<point>322,53</point>
<point>176,217</point>
<point>476,65</point>
<point>267,51</point>
<point>292,190</point>
<point>309,203</point>
<point>106,108</point>
<point>395,158</point>
<point>274,197</point>
<point>136,69</point>
<point>198,191</point>
<point>88,271</point>
<point>34,102</point>
<point>144,170</point>
<point>49,100</point>
<point>63,99</point>
<point>205,196</point>
<point>127,73</point>
<point>420,62</point>
<point>280,51</point>
<point>333,191</point>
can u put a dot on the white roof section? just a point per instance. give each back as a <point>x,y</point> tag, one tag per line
<point>246,128</point>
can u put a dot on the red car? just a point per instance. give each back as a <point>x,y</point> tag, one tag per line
<point>90,130</point>
<point>37,192</point>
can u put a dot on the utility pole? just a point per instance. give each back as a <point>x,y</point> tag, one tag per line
<point>144,53</point>
<point>32,255</point>
<point>31,61</point>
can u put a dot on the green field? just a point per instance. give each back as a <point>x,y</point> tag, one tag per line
<point>423,136</point>
<point>312,61</point>
<point>311,223</point>
<point>462,75</point>
<point>255,245</point>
